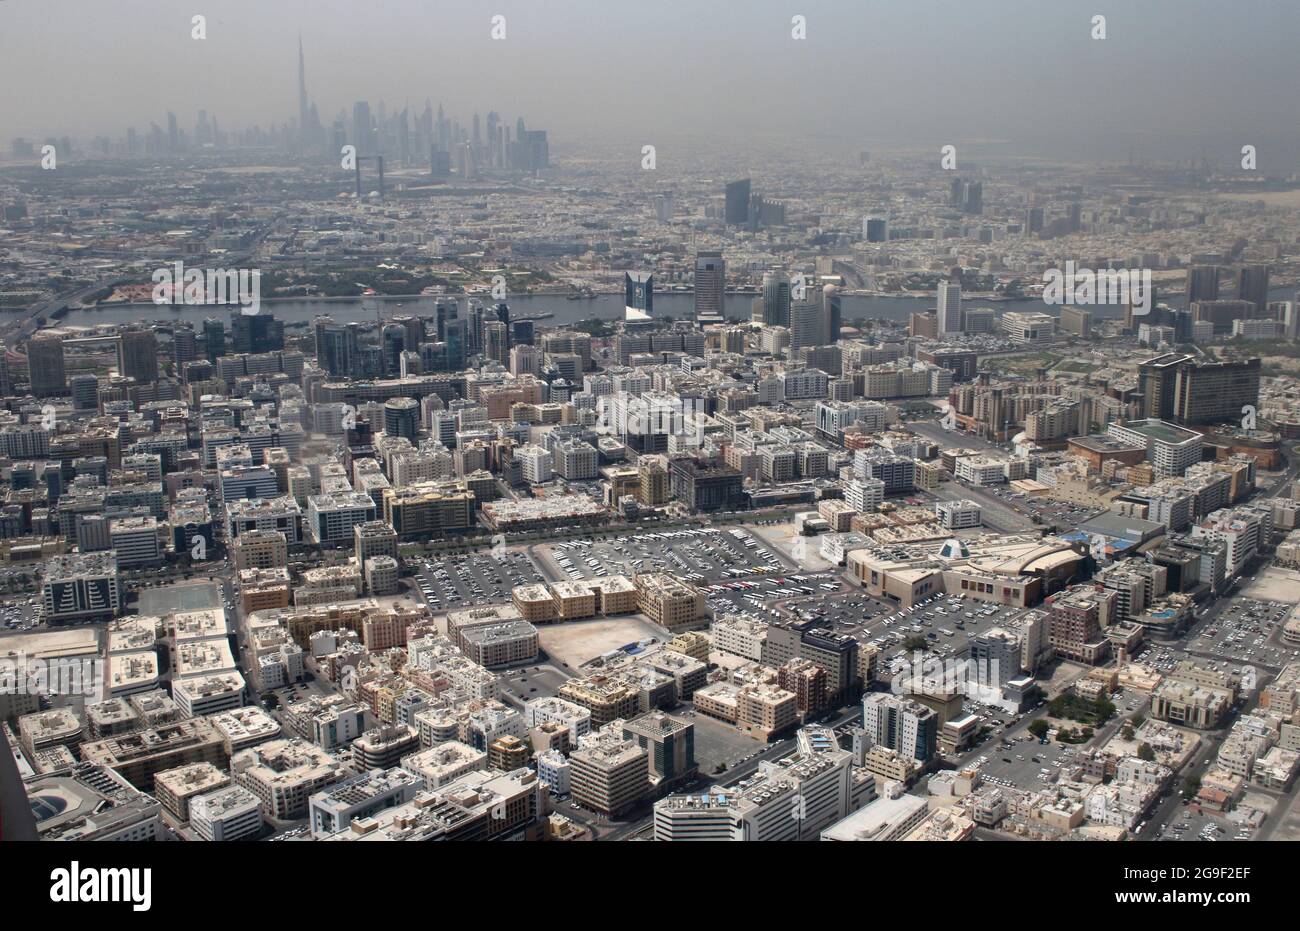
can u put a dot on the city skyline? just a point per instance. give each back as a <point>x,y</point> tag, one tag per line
<point>910,79</point>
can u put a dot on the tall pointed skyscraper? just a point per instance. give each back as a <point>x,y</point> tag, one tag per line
<point>304,109</point>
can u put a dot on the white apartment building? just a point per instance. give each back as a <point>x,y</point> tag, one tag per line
<point>562,711</point>
<point>136,542</point>
<point>864,494</point>
<point>330,518</point>
<point>537,463</point>
<point>230,813</point>
<point>981,470</point>
<point>958,515</point>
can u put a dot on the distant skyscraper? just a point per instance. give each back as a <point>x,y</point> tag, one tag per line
<point>663,207</point>
<point>137,355</point>
<point>256,333</point>
<point>1202,284</point>
<point>949,308</point>
<point>362,132</point>
<point>214,338</point>
<point>834,314</point>
<point>336,348</point>
<point>304,113</point>
<point>710,283</point>
<point>807,323</point>
<point>1252,285</point>
<point>185,344</point>
<point>45,365</point>
<point>737,204</point>
<point>457,342</point>
<point>639,291</point>
<point>776,298</point>
<point>393,342</point>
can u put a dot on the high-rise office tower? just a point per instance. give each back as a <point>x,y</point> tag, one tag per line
<point>1202,284</point>
<point>362,131</point>
<point>956,192</point>
<point>1157,379</point>
<point>901,724</point>
<point>710,283</point>
<point>443,311</point>
<point>1183,390</point>
<point>393,343</point>
<point>496,342</point>
<point>457,342</point>
<point>833,311</point>
<point>214,338</point>
<point>737,203</point>
<point>137,355</point>
<point>337,347</point>
<point>663,207</point>
<point>1215,392</point>
<point>1252,286</point>
<point>776,298</point>
<point>949,308</point>
<point>639,293</point>
<point>45,365</point>
<point>256,333</point>
<point>185,344</point>
<point>414,331</point>
<point>808,324</point>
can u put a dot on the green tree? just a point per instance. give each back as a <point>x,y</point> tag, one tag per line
<point>1039,727</point>
<point>1146,753</point>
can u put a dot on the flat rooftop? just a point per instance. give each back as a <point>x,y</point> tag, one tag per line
<point>1161,430</point>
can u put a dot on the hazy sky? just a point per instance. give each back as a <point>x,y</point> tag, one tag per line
<point>1173,77</point>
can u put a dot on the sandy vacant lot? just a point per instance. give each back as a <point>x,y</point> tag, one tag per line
<point>1274,584</point>
<point>802,552</point>
<point>577,642</point>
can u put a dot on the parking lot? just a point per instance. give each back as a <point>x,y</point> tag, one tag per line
<point>1063,514</point>
<point>945,622</point>
<point>478,578</point>
<point>719,746</point>
<point>1247,631</point>
<point>21,612</point>
<point>1187,825</point>
<point>1022,762</point>
<point>697,554</point>
<point>529,683</point>
<point>800,594</point>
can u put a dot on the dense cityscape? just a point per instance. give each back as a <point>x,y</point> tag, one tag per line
<point>398,472</point>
